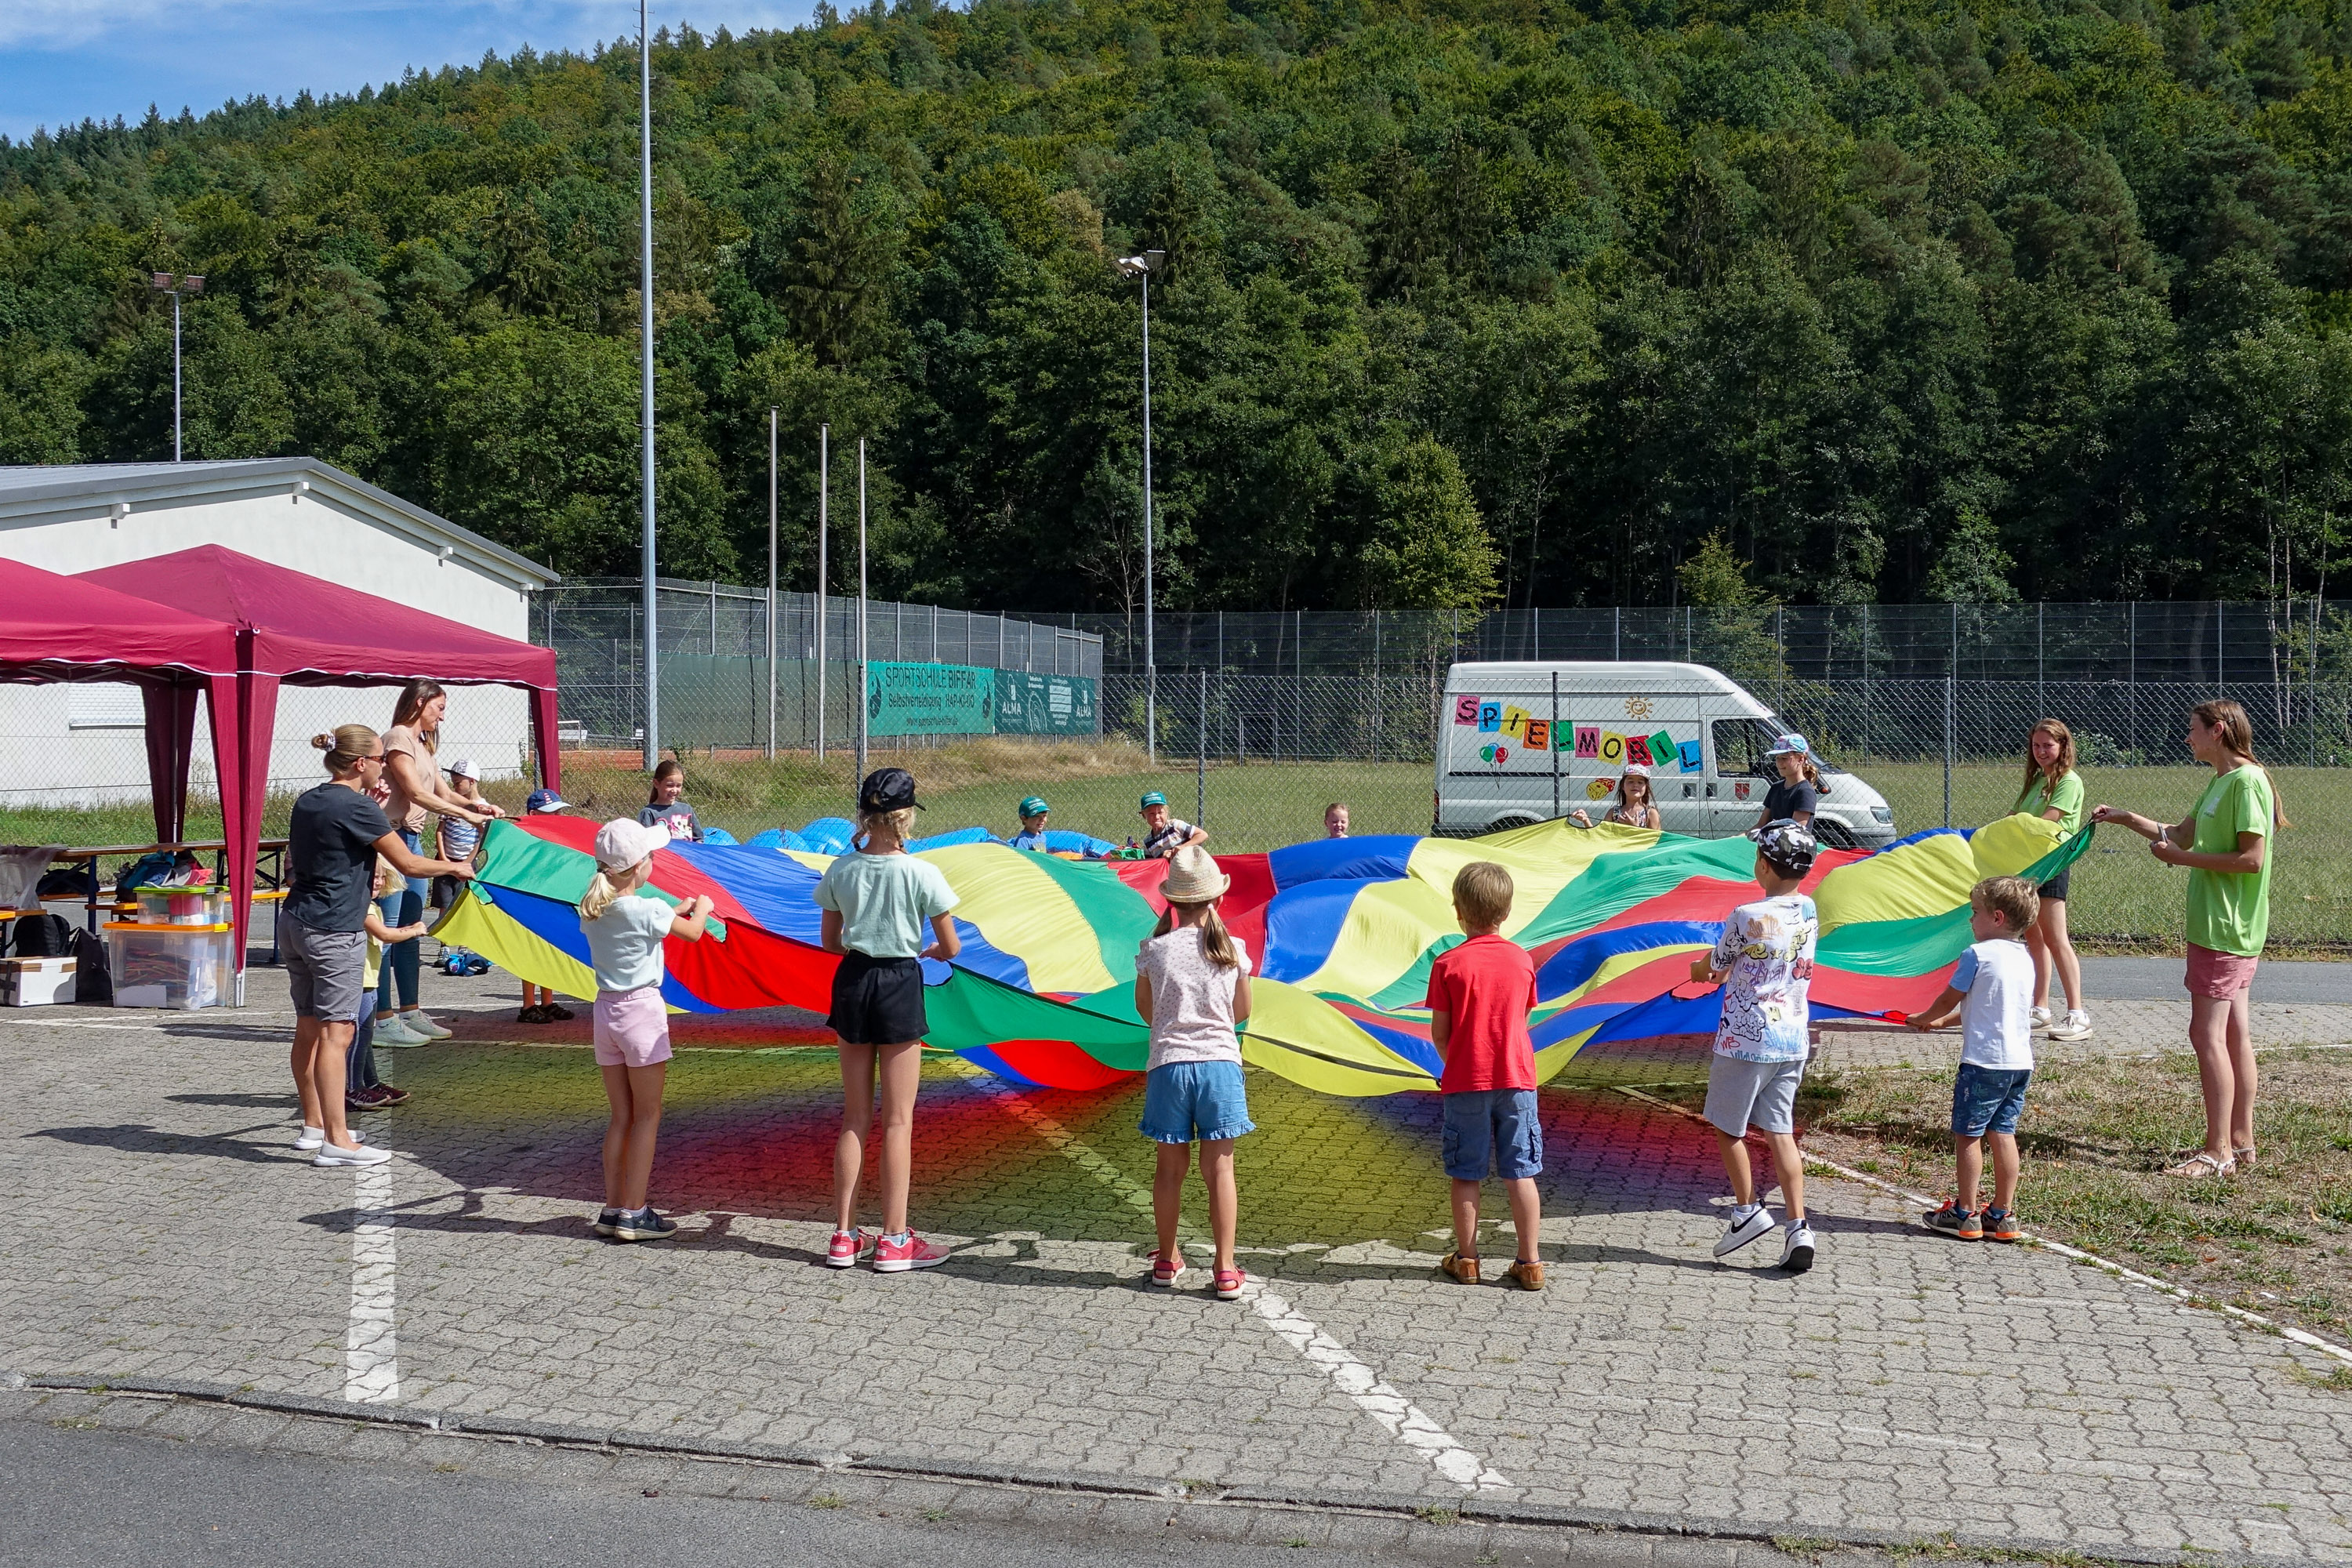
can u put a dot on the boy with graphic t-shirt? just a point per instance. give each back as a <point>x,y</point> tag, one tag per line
<point>1991,993</point>
<point>1764,961</point>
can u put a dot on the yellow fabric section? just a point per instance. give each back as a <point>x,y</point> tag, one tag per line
<point>810,858</point>
<point>1932,875</point>
<point>1023,911</point>
<point>1390,924</point>
<point>1553,1059</point>
<point>517,952</point>
<point>1301,1037</point>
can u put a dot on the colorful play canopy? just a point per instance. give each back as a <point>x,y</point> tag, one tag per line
<point>1345,929</point>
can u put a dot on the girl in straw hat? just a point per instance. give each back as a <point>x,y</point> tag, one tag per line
<point>1192,986</point>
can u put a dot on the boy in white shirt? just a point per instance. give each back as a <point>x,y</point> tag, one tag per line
<point>1991,993</point>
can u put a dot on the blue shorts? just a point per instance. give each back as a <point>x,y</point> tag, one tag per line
<point>1196,1102</point>
<point>1495,1127</point>
<point>1987,1099</point>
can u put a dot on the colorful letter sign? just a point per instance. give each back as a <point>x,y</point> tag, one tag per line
<point>1466,710</point>
<point>1689,751</point>
<point>1588,742</point>
<point>1539,735</point>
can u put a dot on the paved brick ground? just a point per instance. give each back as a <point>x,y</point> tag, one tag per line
<point>1907,1383</point>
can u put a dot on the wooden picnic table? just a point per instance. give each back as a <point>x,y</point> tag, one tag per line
<point>269,874</point>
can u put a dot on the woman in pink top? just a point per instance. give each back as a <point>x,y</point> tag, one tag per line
<point>413,775</point>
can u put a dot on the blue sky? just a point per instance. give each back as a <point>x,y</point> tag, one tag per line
<point>62,60</point>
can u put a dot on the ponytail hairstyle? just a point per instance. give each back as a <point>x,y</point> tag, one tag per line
<point>2057,730</point>
<point>898,824</point>
<point>606,887</point>
<point>2238,735</point>
<point>346,746</point>
<point>1216,942</point>
<point>411,706</point>
<point>1813,772</point>
<point>669,767</point>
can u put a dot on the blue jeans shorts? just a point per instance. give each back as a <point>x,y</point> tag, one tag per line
<point>1196,1102</point>
<point>1493,1127</point>
<point>1987,1099</point>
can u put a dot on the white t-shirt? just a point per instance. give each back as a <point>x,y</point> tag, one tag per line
<point>1997,1016</point>
<point>1192,999</point>
<point>624,942</point>
<point>1767,947</point>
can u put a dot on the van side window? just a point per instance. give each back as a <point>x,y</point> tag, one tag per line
<point>1741,745</point>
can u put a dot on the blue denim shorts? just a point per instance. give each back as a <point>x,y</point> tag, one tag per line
<point>1987,1099</point>
<point>1495,1127</point>
<point>1196,1102</point>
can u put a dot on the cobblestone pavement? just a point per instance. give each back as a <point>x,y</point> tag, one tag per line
<point>1907,1384</point>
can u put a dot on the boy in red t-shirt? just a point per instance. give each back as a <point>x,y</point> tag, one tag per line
<point>1480,997</point>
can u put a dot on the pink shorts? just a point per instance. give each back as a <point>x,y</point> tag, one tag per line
<point>2222,975</point>
<point>632,1027</point>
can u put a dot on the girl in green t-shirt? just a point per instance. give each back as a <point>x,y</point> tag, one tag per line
<point>2225,843</point>
<point>2054,790</point>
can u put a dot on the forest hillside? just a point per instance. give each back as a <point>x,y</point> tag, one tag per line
<point>1464,303</point>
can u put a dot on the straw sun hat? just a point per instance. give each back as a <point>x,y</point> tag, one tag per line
<point>1193,877</point>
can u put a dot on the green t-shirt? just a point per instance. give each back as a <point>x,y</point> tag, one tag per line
<point>2229,912</point>
<point>2067,798</point>
<point>885,901</point>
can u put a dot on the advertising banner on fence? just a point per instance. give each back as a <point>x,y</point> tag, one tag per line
<point>1030,704</point>
<point>930,699</point>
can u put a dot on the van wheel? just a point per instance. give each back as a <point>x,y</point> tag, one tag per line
<point>1832,834</point>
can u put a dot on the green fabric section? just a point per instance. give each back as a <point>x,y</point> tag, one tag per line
<point>973,1010</point>
<point>1928,943</point>
<point>1121,917</point>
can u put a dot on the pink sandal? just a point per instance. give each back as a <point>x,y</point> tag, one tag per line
<point>1166,1266</point>
<point>1229,1284</point>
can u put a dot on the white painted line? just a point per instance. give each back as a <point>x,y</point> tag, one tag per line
<point>1402,1419</point>
<point>2129,1276</point>
<point>371,1351</point>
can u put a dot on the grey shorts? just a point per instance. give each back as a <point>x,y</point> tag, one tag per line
<point>323,969</point>
<point>1744,1094</point>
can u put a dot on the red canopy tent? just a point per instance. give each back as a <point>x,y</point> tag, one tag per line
<point>295,630</point>
<point>59,628</point>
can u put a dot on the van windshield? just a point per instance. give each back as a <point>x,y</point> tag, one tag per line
<point>1743,747</point>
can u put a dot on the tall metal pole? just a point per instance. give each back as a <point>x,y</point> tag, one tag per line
<point>824,489</point>
<point>645,363</point>
<point>1150,652</point>
<point>865,674</point>
<point>771,584</point>
<point>176,376</point>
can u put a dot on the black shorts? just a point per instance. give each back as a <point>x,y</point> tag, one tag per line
<point>877,1001</point>
<point>2057,886</point>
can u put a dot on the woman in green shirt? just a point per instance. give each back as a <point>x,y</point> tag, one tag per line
<point>2054,790</point>
<point>2225,844</point>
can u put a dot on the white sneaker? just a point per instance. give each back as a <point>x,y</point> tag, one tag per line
<point>2041,1019</point>
<point>2077,1026</point>
<point>393,1032</point>
<point>1747,1224</point>
<point>417,1023</point>
<point>334,1155</point>
<point>312,1138</point>
<point>1797,1253</point>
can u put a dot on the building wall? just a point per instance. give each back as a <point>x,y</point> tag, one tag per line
<point>61,745</point>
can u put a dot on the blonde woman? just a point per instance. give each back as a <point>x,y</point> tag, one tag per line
<point>1633,805</point>
<point>876,900</point>
<point>625,930</point>
<point>412,776</point>
<point>2225,843</point>
<point>2054,791</point>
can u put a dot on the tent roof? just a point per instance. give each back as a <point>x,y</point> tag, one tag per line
<point>311,632</point>
<point>66,628</point>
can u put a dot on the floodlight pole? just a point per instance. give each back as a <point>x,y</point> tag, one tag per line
<point>645,364</point>
<point>823,485</point>
<point>1140,267</point>
<point>864,673</point>
<point>771,584</point>
<point>175,284</point>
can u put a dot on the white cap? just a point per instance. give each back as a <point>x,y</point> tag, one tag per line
<point>623,841</point>
<point>1636,770</point>
<point>464,768</point>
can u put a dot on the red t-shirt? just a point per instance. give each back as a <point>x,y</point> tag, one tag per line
<point>1487,987</point>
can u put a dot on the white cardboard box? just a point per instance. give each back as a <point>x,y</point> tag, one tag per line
<point>35,982</point>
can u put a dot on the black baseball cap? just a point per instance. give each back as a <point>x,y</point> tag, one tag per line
<point>1787,844</point>
<point>888,789</point>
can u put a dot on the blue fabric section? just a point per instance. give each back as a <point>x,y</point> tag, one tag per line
<point>1924,833</point>
<point>1302,924</point>
<point>1062,841</point>
<point>1671,1015</point>
<point>979,958</point>
<point>828,835</point>
<point>558,925</point>
<point>948,841</point>
<point>1375,857</point>
<point>776,892</point>
<point>717,836</point>
<point>1577,963</point>
<point>1413,1048</point>
<point>766,838</point>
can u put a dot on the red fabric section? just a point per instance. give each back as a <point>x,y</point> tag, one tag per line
<point>319,632</point>
<point>1243,911</point>
<point>1878,992</point>
<point>54,627</point>
<point>243,711</point>
<point>1056,1064</point>
<point>171,730</point>
<point>672,874</point>
<point>1487,987</point>
<point>753,968</point>
<point>544,745</point>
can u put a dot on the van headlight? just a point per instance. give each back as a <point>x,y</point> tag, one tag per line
<point>1885,814</point>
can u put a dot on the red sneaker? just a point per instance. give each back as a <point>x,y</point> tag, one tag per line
<point>913,1252</point>
<point>843,1250</point>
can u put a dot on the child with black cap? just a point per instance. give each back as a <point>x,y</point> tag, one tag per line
<point>876,899</point>
<point>1764,961</point>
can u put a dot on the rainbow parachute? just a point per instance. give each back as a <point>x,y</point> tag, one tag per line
<point>1345,931</point>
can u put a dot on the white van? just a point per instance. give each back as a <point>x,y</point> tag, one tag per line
<point>1702,736</point>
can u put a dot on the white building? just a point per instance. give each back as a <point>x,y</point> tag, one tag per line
<point>73,745</point>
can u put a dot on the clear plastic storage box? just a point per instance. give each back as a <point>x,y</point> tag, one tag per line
<point>179,966</point>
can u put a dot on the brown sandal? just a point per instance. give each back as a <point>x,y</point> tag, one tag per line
<point>1525,1275</point>
<point>1458,1266</point>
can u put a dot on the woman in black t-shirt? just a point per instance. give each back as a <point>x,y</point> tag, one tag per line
<point>1794,795</point>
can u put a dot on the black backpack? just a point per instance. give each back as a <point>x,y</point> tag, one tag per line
<point>39,936</point>
<point>93,979</point>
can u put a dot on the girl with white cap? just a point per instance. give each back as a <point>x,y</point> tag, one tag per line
<point>1634,806</point>
<point>1192,987</point>
<point>625,930</point>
